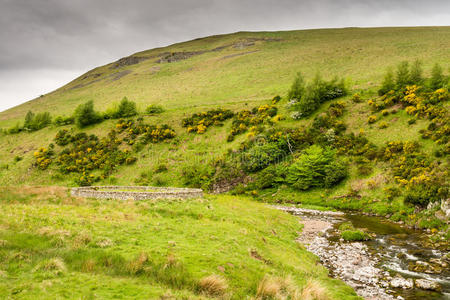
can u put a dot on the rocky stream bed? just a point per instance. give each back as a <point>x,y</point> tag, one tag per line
<point>394,264</point>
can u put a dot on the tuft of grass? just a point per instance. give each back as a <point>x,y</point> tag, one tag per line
<point>314,291</point>
<point>55,265</point>
<point>213,285</point>
<point>137,265</point>
<point>277,288</point>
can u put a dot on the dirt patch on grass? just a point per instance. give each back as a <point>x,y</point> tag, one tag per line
<point>155,69</point>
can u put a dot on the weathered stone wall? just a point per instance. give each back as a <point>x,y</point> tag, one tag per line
<point>138,193</point>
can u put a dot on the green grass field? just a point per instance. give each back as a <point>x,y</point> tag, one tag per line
<point>53,246</point>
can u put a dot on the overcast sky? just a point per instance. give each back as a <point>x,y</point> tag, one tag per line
<point>46,43</point>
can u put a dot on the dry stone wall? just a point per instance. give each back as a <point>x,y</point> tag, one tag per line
<point>136,192</point>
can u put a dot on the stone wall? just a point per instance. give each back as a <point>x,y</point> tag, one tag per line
<point>136,192</point>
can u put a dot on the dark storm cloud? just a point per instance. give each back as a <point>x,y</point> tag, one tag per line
<point>43,37</point>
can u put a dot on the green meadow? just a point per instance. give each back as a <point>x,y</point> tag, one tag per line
<point>53,246</point>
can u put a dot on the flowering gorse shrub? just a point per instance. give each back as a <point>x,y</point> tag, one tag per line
<point>254,119</point>
<point>199,122</point>
<point>43,158</point>
<point>145,133</point>
<point>423,179</point>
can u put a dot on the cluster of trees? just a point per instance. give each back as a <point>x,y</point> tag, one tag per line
<point>33,122</point>
<point>409,74</point>
<point>306,98</point>
<point>84,115</point>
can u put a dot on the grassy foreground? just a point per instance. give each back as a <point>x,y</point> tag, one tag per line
<point>53,246</point>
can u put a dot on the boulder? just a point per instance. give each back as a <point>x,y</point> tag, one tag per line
<point>425,284</point>
<point>400,282</point>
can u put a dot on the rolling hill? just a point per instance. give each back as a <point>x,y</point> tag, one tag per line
<point>225,118</point>
<point>232,71</point>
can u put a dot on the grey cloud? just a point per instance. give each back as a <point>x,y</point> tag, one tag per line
<point>75,36</point>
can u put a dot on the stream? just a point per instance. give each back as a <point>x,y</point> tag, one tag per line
<point>394,264</point>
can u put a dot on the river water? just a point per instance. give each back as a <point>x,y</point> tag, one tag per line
<point>395,250</point>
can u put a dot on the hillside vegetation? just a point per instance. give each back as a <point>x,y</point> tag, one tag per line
<point>223,113</point>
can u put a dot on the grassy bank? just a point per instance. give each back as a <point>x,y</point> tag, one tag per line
<point>54,246</point>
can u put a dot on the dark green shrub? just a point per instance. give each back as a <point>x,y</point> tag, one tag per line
<point>86,115</point>
<point>316,167</point>
<point>298,88</point>
<point>438,79</point>
<point>125,109</point>
<point>318,92</point>
<point>271,176</point>
<point>198,175</point>
<point>422,194</point>
<point>416,73</point>
<point>403,76</point>
<point>154,109</point>
<point>62,121</point>
<point>260,156</point>
<point>29,117</point>
<point>36,122</point>
<point>17,158</point>
<point>388,83</point>
<point>16,129</point>
<point>276,99</point>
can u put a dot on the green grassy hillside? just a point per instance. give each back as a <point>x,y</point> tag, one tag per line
<point>233,71</point>
<point>53,246</point>
<point>243,67</point>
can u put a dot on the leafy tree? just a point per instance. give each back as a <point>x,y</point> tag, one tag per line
<point>86,115</point>
<point>126,109</point>
<point>41,120</point>
<point>298,87</point>
<point>28,120</point>
<point>388,83</point>
<point>316,167</point>
<point>437,80</point>
<point>35,122</point>
<point>403,77</point>
<point>316,93</point>
<point>416,73</point>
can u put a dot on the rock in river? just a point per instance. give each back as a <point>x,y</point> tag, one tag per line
<point>400,282</point>
<point>425,284</point>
